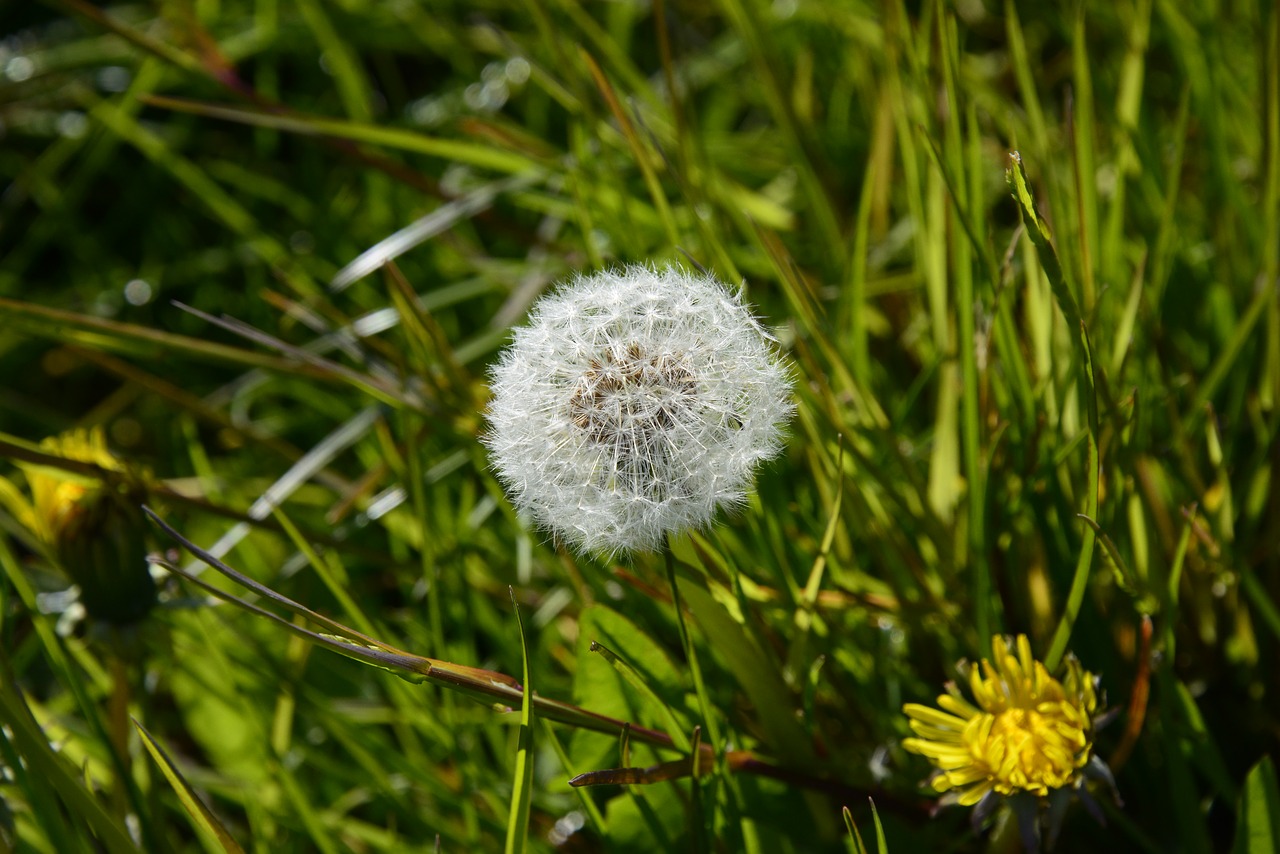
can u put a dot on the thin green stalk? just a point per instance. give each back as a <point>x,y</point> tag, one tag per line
<point>1039,234</point>
<point>704,703</point>
<point>522,785</point>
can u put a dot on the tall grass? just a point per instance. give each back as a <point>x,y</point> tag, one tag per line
<point>271,248</point>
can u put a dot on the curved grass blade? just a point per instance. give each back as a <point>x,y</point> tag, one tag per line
<point>635,680</point>
<point>423,229</point>
<point>452,150</point>
<point>201,816</point>
<point>69,326</point>
<point>370,384</point>
<point>497,690</point>
<point>855,838</point>
<point>485,686</point>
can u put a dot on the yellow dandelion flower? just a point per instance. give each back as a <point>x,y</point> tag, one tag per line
<point>59,498</point>
<point>1025,731</point>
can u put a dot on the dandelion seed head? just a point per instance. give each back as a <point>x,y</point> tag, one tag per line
<point>636,402</point>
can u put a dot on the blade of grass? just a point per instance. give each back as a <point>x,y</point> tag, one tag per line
<point>1270,391</point>
<point>584,797</point>
<point>480,684</point>
<point>327,570</point>
<point>201,816</point>
<point>855,838</point>
<point>966,306</point>
<point>522,785</point>
<point>400,139</point>
<point>755,672</point>
<point>635,680</point>
<point>1039,234</point>
<point>41,760</point>
<point>1026,78</point>
<point>1086,182</point>
<point>376,387</point>
<point>806,603</point>
<point>691,655</point>
<point>132,35</point>
<point>437,222</point>
<point>139,340</point>
<point>882,844</point>
<point>353,85</point>
<point>638,151</point>
<point>1258,815</point>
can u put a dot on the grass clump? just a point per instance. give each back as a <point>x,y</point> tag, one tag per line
<point>1023,261</point>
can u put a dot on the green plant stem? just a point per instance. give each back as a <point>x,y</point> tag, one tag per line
<point>1039,234</point>
<point>704,704</point>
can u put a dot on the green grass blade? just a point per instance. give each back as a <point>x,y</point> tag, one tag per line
<point>691,654</point>
<point>756,673</point>
<point>522,783</point>
<point>584,797</point>
<point>882,844</point>
<point>1083,160</point>
<point>135,339</point>
<point>1039,234</point>
<point>639,151</point>
<point>855,838</point>
<point>353,86</point>
<point>637,681</point>
<point>41,760</point>
<point>1258,815</point>
<point>398,139</point>
<point>201,816</point>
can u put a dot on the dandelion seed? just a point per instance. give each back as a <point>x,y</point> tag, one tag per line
<point>635,403</point>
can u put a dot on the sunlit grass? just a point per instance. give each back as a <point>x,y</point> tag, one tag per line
<point>272,250</point>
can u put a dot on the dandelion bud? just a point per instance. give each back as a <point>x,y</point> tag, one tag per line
<point>635,403</point>
<point>94,529</point>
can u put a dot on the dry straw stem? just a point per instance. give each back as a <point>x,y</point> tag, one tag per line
<point>498,690</point>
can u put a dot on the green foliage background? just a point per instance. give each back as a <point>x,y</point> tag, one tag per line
<point>846,161</point>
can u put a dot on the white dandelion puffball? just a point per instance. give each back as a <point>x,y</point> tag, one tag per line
<point>635,403</point>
